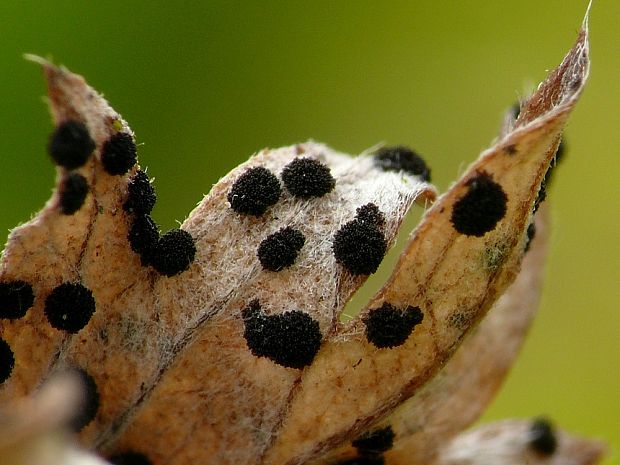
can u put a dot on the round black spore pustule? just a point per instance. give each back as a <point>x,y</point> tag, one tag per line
<point>359,246</point>
<point>140,194</point>
<point>370,214</point>
<point>90,402</point>
<point>481,208</point>
<point>16,297</point>
<point>70,144</point>
<point>129,458</point>
<point>119,154</point>
<point>542,437</point>
<point>290,339</point>
<point>69,307</point>
<point>280,249</point>
<point>307,178</point>
<point>375,442</point>
<point>72,192</point>
<point>7,361</point>
<point>388,326</point>
<point>400,158</point>
<point>174,253</point>
<point>143,237</point>
<point>254,191</point>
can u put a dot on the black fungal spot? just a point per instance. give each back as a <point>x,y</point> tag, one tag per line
<point>140,194</point>
<point>290,339</point>
<point>174,253</point>
<point>16,297</point>
<point>90,402</point>
<point>69,307</point>
<point>542,437</point>
<point>388,326</point>
<point>529,236</point>
<point>375,442</point>
<point>371,460</point>
<point>307,178</point>
<point>481,208</point>
<point>72,191</point>
<point>70,145</point>
<point>254,191</point>
<point>400,158</point>
<point>129,458</point>
<point>7,361</point>
<point>360,245</point>
<point>370,214</point>
<point>119,154</point>
<point>280,249</point>
<point>143,237</point>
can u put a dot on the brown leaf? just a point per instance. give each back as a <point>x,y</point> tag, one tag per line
<point>220,342</point>
<point>458,261</point>
<point>460,392</point>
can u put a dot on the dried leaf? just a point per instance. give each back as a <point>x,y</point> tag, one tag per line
<point>220,341</point>
<point>458,262</point>
<point>460,392</point>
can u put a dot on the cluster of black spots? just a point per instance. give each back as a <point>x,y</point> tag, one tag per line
<point>129,458</point>
<point>69,307</point>
<point>542,437</point>
<point>119,154</point>
<point>370,214</point>
<point>370,460</point>
<point>360,245</point>
<point>279,250</point>
<point>174,253</point>
<point>143,237</point>
<point>72,191</point>
<point>290,339</point>
<point>254,191</point>
<point>388,326</point>
<point>169,254</point>
<point>140,194</point>
<point>400,158</point>
<point>481,208</point>
<point>16,297</point>
<point>70,145</point>
<point>530,233</point>
<point>375,442</point>
<point>90,401</point>
<point>307,178</point>
<point>7,361</point>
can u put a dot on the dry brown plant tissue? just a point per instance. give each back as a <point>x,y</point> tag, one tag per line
<point>220,342</point>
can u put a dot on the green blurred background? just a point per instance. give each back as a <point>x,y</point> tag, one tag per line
<point>206,84</point>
